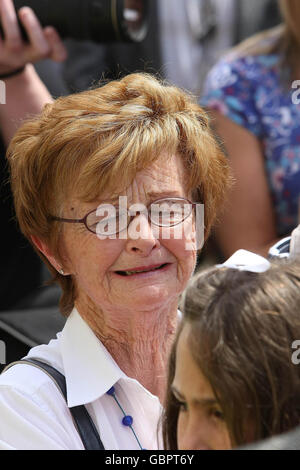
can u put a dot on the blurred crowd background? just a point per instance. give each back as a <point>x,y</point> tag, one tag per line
<point>185,39</point>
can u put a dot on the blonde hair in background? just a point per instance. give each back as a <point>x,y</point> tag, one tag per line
<point>284,38</point>
<point>291,13</point>
<point>98,140</point>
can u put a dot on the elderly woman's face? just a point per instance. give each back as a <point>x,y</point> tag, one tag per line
<point>135,272</point>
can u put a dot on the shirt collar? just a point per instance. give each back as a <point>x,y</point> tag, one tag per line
<point>89,369</point>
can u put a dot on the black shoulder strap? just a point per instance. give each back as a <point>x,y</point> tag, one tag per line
<point>84,423</point>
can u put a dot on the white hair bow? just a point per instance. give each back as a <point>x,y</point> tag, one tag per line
<point>295,243</point>
<point>244,260</point>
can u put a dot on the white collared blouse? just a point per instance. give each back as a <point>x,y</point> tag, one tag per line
<point>34,414</point>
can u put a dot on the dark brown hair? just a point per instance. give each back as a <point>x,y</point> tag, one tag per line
<point>243,325</point>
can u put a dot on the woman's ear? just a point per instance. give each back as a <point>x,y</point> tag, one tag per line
<point>44,248</point>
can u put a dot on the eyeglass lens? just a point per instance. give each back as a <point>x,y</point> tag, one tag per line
<point>111,220</point>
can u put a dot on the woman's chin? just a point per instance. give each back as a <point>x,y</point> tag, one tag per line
<point>152,297</point>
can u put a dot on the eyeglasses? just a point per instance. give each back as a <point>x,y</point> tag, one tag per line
<point>108,219</point>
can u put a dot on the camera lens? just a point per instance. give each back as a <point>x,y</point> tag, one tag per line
<point>119,20</point>
<point>95,20</point>
<point>134,14</point>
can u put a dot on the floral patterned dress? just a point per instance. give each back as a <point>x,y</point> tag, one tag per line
<point>252,92</point>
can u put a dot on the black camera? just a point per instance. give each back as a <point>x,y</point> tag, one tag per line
<point>93,20</point>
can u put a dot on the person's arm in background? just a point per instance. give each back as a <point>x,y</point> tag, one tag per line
<point>248,219</point>
<point>25,92</point>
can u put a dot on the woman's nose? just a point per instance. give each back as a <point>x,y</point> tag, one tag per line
<point>141,235</point>
<point>193,438</point>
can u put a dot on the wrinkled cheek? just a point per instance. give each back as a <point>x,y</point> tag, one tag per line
<point>191,232</point>
<point>189,264</point>
<point>194,232</point>
<point>186,260</point>
<point>186,235</point>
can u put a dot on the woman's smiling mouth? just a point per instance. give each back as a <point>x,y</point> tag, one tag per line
<point>142,270</point>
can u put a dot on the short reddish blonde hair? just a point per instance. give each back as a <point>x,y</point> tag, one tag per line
<point>99,139</point>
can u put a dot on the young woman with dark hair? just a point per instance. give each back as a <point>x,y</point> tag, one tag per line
<point>232,380</point>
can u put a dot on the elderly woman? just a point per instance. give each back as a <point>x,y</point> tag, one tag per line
<point>101,181</point>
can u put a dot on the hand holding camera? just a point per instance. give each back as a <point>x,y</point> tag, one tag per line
<point>27,36</point>
<point>15,53</point>
<point>31,30</point>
